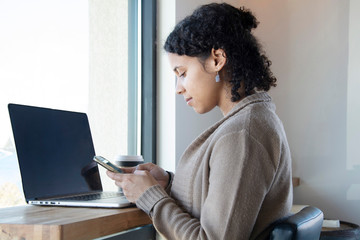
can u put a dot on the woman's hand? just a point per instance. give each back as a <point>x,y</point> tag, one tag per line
<point>160,175</point>
<point>133,185</point>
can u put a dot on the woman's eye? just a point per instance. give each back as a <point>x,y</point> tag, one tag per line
<point>182,75</point>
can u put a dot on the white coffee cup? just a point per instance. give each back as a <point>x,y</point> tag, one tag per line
<point>129,160</point>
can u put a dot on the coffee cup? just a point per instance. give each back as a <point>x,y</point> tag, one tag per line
<point>129,160</point>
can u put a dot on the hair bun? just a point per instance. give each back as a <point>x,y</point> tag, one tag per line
<point>248,21</point>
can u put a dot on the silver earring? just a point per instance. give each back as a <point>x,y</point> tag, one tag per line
<point>217,77</point>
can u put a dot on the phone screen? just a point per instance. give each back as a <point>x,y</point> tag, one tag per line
<point>107,164</point>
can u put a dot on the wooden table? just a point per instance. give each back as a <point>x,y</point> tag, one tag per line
<point>66,223</point>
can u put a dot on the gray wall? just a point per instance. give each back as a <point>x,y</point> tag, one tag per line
<point>308,43</point>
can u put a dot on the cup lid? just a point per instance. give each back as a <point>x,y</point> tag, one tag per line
<point>129,158</point>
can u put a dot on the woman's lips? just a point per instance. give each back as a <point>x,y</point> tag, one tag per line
<point>188,100</point>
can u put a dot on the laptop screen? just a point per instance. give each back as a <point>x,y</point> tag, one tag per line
<point>54,150</point>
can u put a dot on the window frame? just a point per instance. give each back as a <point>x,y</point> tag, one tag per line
<point>148,80</point>
<point>147,86</point>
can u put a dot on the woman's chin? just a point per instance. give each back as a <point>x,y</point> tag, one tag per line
<point>201,110</point>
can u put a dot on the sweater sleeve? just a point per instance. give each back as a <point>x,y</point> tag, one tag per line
<point>239,177</point>
<point>171,178</point>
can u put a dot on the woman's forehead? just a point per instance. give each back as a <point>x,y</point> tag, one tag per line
<point>177,61</point>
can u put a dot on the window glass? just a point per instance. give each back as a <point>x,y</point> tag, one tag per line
<point>70,55</point>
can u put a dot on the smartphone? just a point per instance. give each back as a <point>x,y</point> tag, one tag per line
<point>107,164</point>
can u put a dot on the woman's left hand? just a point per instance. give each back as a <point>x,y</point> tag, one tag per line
<point>133,185</point>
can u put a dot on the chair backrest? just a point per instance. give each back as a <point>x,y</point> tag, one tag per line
<point>304,225</point>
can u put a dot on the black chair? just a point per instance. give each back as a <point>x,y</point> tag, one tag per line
<point>304,225</point>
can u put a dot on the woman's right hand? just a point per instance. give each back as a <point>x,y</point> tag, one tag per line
<point>160,175</point>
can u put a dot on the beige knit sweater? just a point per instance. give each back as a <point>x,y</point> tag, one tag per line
<point>232,182</point>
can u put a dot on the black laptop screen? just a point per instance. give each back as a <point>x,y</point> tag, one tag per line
<point>54,150</point>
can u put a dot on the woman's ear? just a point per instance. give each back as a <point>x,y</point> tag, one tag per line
<point>219,58</point>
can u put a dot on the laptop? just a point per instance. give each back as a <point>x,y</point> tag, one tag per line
<point>55,153</point>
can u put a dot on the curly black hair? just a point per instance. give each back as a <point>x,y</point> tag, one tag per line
<point>222,26</point>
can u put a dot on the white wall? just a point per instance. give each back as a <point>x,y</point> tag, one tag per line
<point>108,80</point>
<point>309,48</point>
<point>308,43</point>
<point>166,89</point>
<point>353,114</point>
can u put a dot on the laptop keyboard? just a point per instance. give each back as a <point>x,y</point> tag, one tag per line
<point>94,196</point>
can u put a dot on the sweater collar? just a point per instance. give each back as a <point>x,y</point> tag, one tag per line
<point>253,98</point>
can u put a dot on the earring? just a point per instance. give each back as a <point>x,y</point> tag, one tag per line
<point>217,77</point>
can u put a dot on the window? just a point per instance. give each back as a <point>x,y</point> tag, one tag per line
<point>44,61</point>
<point>79,56</point>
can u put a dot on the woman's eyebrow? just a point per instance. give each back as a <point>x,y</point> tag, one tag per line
<point>176,68</point>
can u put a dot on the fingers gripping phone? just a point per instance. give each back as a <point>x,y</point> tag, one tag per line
<point>107,164</point>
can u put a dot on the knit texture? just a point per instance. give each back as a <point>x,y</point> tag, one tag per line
<point>232,182</point>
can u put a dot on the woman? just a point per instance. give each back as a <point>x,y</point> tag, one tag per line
<point>234,180</point>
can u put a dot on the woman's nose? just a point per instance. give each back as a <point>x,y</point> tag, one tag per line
<point>179,87</point>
